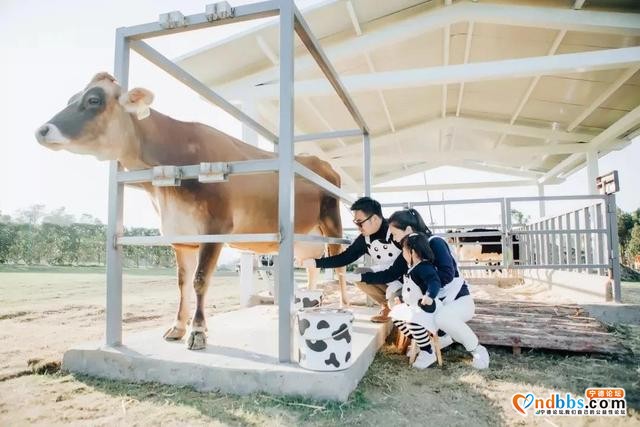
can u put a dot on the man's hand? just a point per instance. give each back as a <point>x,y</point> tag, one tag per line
<point>352,277</point>
<point>305,263</point>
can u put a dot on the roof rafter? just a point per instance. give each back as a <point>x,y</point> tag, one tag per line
<point>432,20</point>
<point>516,152</point>
<point>456,186</point>
<point>477,124</point>
<point>605,59</point>
<point>552,50</point>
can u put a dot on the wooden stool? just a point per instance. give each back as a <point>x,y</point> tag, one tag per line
<point>402,342</point>
<point>435,344</point>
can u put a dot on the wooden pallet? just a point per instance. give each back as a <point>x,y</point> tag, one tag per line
<point>520,324</point>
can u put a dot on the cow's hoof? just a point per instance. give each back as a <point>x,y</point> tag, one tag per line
<point>197,340</point>
<point>174,334</point>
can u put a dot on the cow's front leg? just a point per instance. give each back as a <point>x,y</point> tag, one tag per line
<point>186,259</point>
<point>207,259</point>
<point>312,278</point>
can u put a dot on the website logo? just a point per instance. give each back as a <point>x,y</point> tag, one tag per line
<point>596,401</point>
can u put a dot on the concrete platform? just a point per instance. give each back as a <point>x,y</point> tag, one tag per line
<point>241,358</point>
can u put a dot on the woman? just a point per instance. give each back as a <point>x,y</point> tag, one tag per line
<point>458,306</point>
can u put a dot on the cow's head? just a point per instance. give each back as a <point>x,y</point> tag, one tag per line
<point>97,120</point>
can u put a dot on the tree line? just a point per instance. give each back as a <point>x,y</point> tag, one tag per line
<point>629,235</point>
<point>34,236</point>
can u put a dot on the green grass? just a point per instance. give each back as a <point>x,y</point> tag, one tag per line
<point>84,269</point>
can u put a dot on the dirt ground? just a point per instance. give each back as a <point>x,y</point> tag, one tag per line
<point>45,312</point>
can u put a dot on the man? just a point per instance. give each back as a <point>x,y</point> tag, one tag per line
<point>375,240</point>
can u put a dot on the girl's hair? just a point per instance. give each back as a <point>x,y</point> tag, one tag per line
<point>419,242</point>
<point>409,218</point>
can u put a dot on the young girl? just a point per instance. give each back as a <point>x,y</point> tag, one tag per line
<point>415,317</point>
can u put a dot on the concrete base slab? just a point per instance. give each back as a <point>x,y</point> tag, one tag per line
<point>241,358</point>
<point>615,313</point>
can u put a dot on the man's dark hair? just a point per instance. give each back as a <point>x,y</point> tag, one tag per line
<point>419,242</point>
<point>368,206</point>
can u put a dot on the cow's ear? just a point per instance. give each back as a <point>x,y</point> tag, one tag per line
<point>137,101</point>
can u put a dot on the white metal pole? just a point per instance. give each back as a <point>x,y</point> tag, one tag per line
<point>115,223</point>
<point>614,248</point>
<point>542,203</point>
<point>592,172</point>
<point>246,278</point>
<point>286,184</point>
<point>366,154</point>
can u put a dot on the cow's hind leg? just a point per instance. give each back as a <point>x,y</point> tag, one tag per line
<point>186,258</point>
<point>207,260</point>
<point>331,226</point>
<point>344,298</point>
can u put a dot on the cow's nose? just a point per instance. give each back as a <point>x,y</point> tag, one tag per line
<point>43,130</point>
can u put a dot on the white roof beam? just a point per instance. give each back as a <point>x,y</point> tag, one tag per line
<point>349,183</point>
<point>385,139</point>
<point>501,169</point>
<point>354,18</point>
<point>474,72</point>
<point>626,75</point>
<point>533,84</point>
<point>446,40</point>
<point>567,163</point>
<point>467,51</point>
<point>416,168</point>
<point>313,46</point>
<point>628,121</point>
<point>455,186</point>
<point>266,49</point>
<point>622,125</point>
<point>321,118</point>
<point>488,154</point>
<point>432,20</point>
<point>383,103</point>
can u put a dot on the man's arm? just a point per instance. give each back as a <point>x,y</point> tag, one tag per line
<point>392,273</point>
<point>351,254</point>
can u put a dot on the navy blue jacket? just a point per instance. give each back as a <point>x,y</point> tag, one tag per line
<point>444,263</point>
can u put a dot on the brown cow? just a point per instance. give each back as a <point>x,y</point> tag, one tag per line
<point>103,122</point>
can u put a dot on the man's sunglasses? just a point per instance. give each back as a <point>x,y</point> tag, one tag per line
<point>359,223</point>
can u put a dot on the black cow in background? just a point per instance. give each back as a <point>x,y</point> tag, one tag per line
<point>485,249</point>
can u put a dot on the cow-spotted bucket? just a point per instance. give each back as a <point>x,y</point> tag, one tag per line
<point>325,339</point>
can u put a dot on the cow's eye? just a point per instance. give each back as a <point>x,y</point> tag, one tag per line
<point>94,100</point>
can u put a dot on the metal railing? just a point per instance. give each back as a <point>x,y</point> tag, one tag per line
<point>583,239</point>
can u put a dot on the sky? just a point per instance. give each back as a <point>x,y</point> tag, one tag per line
<point>50,50</point>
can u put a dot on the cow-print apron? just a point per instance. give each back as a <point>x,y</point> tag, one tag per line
<point>383,255</point>
<point>409,311</point>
